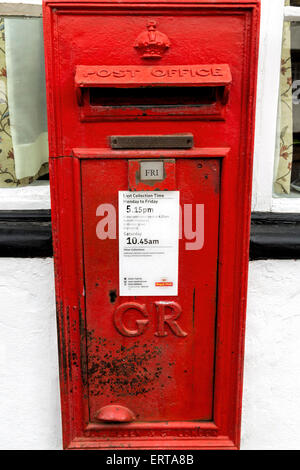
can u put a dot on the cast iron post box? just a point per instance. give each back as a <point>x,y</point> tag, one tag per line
<point>151,124</point>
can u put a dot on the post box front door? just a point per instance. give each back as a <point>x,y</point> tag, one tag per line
<point>152,355</point>
<point>151,124</point>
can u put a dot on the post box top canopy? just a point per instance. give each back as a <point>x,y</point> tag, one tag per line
<point>192,75</point>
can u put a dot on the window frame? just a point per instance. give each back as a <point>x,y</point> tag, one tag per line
<point>273,14</point>
<point>36,195</point>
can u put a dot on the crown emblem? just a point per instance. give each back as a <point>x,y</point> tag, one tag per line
<point>152,44</point>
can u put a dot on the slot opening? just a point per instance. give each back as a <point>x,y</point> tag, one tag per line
<point>154,97</point>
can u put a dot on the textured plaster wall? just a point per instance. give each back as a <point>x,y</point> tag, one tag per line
<point>271,404</point>
<point>29,393</point>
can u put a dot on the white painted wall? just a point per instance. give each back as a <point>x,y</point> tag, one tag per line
<point>29,391</point>
<point>271,404</point>
<point>26,2</point>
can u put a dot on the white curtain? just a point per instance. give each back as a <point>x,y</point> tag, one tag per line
<point>26,93</point>
<point>284,152</point>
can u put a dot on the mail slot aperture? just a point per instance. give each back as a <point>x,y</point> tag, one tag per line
<point>148,97</point>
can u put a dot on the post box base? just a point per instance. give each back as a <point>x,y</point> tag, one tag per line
<point>146,444</point>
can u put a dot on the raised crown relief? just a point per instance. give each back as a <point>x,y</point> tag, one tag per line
<point>152,44</point>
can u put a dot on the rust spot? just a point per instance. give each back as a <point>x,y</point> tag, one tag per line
<point>120,370</point>
<point>83,355</point>
<point>61,340</point>
<point>69,345</point>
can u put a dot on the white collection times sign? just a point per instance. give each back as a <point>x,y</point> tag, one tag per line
<point>148,243</point>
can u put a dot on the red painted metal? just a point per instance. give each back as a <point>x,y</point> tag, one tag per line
<point>152,44</point>
<point>88,76</point>
<point>171,366</point>
<point>150,374</point>
<point>115,414</point>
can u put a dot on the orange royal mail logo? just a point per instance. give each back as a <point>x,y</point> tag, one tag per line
<point>164,283</point>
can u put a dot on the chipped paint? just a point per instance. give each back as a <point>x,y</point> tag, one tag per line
<point>122,370</point>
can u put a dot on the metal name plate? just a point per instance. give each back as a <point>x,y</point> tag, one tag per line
<point>175,141</point>
<point>151,171</point>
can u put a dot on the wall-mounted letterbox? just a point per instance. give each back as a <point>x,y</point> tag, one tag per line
<point>151,123</point>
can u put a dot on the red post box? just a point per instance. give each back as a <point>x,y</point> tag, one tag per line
<point>151,123</point>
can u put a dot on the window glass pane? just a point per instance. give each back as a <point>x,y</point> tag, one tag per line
<point>295,62</point>
<point>287,166</point>
<point>26,93</point>
<point>295,3</point>
<point>23,123</point>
